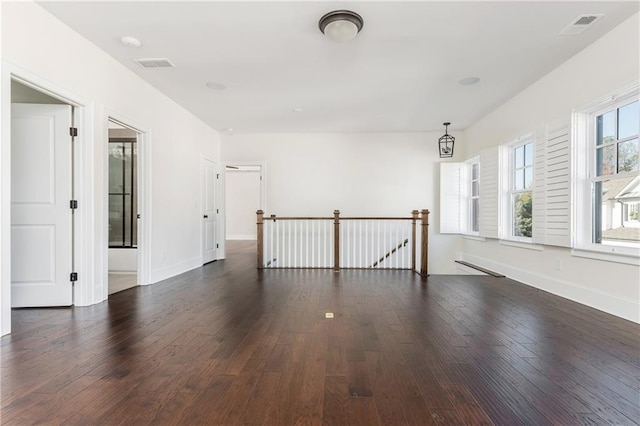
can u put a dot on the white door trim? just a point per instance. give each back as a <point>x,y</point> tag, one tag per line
<point>84,237</point>
<point>144,197</point>
<point>223,195</point>
<point>203,197</point>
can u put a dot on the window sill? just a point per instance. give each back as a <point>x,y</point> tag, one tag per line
<point>608,254</point>
<point>522,244</point>
<point>473,237</point>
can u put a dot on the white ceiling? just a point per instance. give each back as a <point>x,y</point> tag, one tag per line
<point>400,74</point>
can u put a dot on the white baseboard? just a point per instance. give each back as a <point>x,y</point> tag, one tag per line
<point>175,269</point>
<point>622,307</point>
<point>241,237</point>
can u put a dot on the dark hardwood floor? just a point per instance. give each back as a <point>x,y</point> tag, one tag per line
<point>227,344</point>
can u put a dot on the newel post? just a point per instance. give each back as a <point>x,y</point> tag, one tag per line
<point>414,220</point>
<point>424,264</point>
<point>260,214</point>
<point>336,240</point>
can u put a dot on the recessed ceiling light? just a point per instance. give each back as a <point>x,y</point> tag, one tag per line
<point>297,109</point>
<point>228,130</point>
<point>469,81</point>
<point>131,41</point>
<point>215,86</point>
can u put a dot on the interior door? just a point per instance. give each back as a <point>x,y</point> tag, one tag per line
<point>40,212</point>
<point>210,214</point>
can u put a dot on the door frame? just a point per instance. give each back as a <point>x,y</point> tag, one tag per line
<point>144,198</point>
<point>224,195</point>
<point>220,249</point>
<point>84,292</point>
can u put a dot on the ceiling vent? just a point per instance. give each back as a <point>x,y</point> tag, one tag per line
<point>580,24</point>
<point>155,63</point>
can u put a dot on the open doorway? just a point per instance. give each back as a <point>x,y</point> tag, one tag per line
<point>123,207</point>
<point>244,196</point>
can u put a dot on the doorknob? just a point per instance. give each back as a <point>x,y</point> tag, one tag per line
<point>206,216</point>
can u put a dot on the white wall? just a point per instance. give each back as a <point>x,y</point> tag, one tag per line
<point>242,201</point>
<point>600,69</point>
<point>123,260</point>
<point>359,174</point>
<point>176,139</point>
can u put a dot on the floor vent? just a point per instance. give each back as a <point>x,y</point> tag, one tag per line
<point>155,63</point>
<point>580,24</point>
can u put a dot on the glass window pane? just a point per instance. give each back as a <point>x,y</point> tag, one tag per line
<point>611,199</point>
<point>628,117</point>
<point>475,215</point>
<point>606,160</point>
<point>518,184</point>
<point>115,167</point>
<point>475,171</point>
<point>522,217</point>
<point>628,156</point>
<point>519,156</point>
<point>528,177</point>
<point>528,154</point>
<point>605,128</point>
<point>115,220</point>
<point>475,189</point>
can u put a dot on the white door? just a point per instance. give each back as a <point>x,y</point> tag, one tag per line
<point>40,212</point>
<point>210,213</point>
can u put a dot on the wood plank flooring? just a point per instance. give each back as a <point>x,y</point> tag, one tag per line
<point>227,344</point>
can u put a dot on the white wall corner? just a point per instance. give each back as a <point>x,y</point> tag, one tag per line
<point>175,269</point>
<point>622,307</point>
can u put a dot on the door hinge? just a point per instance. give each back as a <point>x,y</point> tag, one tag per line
<point>217,175</point>
<point>217,211</point>
<point>73,204</point>
<point>73,131</point>
<point>217,245</point>
<point>73,277</point>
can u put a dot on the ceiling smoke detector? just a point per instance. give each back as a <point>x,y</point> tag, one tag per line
<point>155,63</point>
<point>131,41</point>
<point>581,23</point>
<point>341,25</point>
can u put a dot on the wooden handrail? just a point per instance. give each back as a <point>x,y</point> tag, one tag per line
<point>389,253</point>
<point>422,216</point>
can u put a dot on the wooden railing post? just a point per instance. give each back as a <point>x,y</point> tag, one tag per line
<point>260,214</point>
<point>414,219</point>
<point>336,240</point>
<point>424,264</point>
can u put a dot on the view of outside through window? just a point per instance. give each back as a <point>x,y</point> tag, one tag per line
<point>617,182</point>
<point>521,194</point>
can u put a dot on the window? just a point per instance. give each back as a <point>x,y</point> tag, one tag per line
<point>474,198</point>
<point>614,177</point>
<point>521,190</point>
<point>607,175</point>
<point>123,199</point>
<point>460,197</point>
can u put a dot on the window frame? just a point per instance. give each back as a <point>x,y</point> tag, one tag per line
<point>509,172</point>
<point>468,230</point>
<point>585,171</point>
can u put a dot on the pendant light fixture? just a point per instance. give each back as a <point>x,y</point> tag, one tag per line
<point>445,143</point>
<point>341,25</point>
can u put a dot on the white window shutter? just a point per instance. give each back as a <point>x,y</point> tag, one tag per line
<point>539,186</point>
<point>558,185</point>
<point>490,192</point>
<point>450,198</point>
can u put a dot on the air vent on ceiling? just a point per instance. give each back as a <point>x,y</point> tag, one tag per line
<point>155,63</point>
<point>580,24</point>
